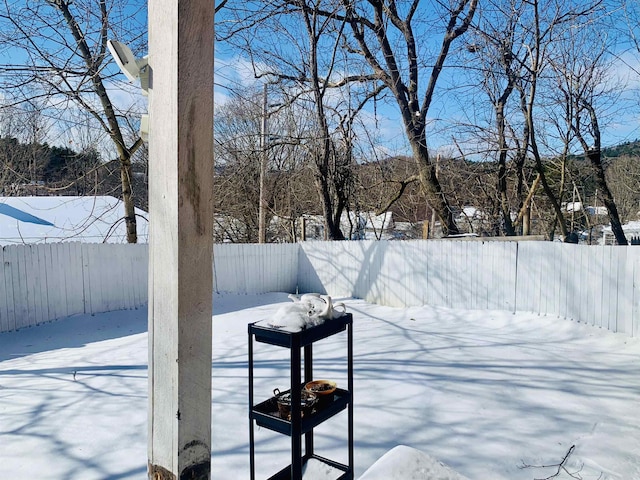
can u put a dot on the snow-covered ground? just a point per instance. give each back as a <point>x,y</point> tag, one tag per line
<point>485,392</point>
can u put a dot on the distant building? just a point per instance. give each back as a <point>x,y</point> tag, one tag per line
<point>574,207</point>
<point>97,219</point>
<point>363,226</point>
<point>597,210</point>
<point>474,220</point>
<point>631,231</point>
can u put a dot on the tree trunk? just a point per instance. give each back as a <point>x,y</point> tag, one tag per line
<point>127,199</point>
<point>433,189</point>
<point>502,167</point>
<point>111,126</point>
<point>595,157</point>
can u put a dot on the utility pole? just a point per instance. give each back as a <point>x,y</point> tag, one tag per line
<point>262,208</point>
<point>181,40</point>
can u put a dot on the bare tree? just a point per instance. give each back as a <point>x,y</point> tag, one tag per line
<point>623,178</point>
<point>238,158</point>
<point>582,71</point>
<point>63,47</point>
<point>297,46</point>
<point>384,34</point>
<point>494,54</point>
<point>332,172</point>
<point>367,44</point>
<point>512,41</point>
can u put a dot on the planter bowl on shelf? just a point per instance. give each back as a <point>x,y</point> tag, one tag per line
<point>307,402</point>
<point>323,389</point>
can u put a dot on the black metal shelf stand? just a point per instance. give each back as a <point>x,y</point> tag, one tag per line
<point>265,414</point>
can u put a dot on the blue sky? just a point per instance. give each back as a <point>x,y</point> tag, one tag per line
<point>233,71</point>
<point>620,122</point>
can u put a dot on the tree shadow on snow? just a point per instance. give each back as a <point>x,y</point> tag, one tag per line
<point>72,332</point>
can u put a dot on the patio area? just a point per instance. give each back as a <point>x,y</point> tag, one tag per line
<point>490,393</point>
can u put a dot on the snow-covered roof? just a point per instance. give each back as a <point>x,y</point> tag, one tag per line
<point>590,209</point>
<point>379,222</point>
<point>58,219</point>
<point>631,227</point>
<point>574,207</point>
<point>597,210</point>
<point>472,213</point>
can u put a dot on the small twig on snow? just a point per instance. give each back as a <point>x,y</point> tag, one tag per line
<point>561,466</point>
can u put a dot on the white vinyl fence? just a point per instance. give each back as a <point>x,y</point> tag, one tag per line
<point>42,282</point>
<point>252,268</point>
<point>599,285</point>
<point>456,274</point>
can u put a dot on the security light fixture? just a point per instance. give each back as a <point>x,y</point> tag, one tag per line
<point>132,67</point>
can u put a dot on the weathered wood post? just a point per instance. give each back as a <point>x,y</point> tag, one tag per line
<point>181,238</point>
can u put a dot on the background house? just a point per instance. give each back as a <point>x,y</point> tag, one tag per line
<point>631,231</point>
<point>362,226</point>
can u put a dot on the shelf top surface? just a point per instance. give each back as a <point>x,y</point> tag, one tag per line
<point>268,334</point>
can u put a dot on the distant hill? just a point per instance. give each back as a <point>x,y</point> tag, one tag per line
<point>628,149</point>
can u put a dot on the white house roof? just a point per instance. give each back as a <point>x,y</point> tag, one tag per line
<point>631,227</point>
<point>58,219</point>
<point>597,210</point>
<point>379,222</point>
<point>574,206</point>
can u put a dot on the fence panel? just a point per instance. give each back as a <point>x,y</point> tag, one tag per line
<point>16,286</point>
<point>247,268</point>
<point>74,278</point>
<point>43,282</point>
<point>338,268</point>
<point>30,285</point>
<point>609,310</point>
<point>4,295</point>
<point>373,261</point>
<point>528,276</point>
<point>40,285</point>
<point>9,321</point>
<point>93,278</point>
<point>634,322</point>
<point>414,279</point>
<point>55,282</point>
<point>392,270</point>
<point>503,279</point>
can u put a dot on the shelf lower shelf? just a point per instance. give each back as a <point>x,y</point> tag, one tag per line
<point>315,466</point>
<point>266,414</point>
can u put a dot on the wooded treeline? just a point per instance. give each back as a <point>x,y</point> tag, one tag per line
<point>41,169</point>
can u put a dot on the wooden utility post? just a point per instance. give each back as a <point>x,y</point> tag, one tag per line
<point>262,208</point>
<point>181,238</point>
